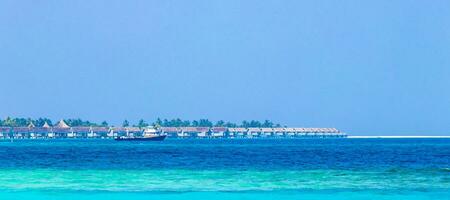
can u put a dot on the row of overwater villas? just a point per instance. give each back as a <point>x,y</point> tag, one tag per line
<point>69,132</point>
<point>218,132</point>
<point>175,132</point>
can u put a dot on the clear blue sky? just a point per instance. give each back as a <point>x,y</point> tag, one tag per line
<point>368,68</point>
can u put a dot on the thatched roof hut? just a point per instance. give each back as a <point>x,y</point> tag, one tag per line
<point>62,124</point>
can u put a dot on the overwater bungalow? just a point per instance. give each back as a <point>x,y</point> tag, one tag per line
<point>290,132</point>
<point>182,134</point>
<point>60,132</point>
<point>202,132</point>
<point>39,132</point>
<point>267,132</point>
<point>5,132</point>
<point>189,132</point>
<point>237,132</point>
<point>21,132</point>
<point>279,132</point>
<point>231,132</point>
<point>218,132</point>
<point>299,132</point>
<point>253,132</point>
<point>61,129</point>
<point>313,132</point>
<point>169,131</point>
<point>307,132</point>
<point>99,132</point>
<point>334,130</point>
<point>79,132</point>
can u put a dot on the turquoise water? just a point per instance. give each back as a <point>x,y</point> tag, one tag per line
<point>313,195</point>
<point>226,169</point>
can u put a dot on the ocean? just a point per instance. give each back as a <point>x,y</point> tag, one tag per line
<point>226,169</point>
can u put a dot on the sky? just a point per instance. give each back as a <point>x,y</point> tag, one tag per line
<point>365,67</point>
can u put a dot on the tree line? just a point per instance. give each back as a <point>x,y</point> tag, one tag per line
<point>21,122</point>
<point>207,123</point>
<point>17,122</point>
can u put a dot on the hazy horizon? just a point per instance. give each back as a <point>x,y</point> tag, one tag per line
<point>366,68</point>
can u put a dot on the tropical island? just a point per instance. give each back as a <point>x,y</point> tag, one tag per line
<point>27,128</point>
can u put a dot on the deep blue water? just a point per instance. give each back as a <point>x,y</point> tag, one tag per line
<point>245,154</point>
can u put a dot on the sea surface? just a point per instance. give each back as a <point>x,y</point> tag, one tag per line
<point>226,169</point>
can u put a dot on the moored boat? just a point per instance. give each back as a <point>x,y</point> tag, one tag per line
<point>150,138</point>
<point>150,134</point>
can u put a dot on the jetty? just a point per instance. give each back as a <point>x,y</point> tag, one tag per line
<point>62,130</point>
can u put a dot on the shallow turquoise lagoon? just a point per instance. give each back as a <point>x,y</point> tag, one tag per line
<point>226,169</point>
<point>312,195</point>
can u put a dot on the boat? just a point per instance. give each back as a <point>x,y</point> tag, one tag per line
<point>151,138</point>
<point>150,134</point>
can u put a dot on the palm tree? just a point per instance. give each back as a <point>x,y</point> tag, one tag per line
<point>125,123</point>
<point>142,123</point>
<point>220,123</point>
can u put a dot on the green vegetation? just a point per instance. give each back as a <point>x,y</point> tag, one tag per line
<point>20,122</point>
<point>125,123</point>
<point>206,123</point>
<point>142,123</point>
<point>16,122</point>
<point>80,122</point>
<point>104,123</point>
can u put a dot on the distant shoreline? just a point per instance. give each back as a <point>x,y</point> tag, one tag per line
<point>396,136</point>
